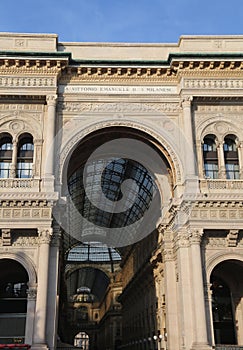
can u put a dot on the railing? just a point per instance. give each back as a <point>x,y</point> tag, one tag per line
<point>221,185</point>
<point>10,185</point>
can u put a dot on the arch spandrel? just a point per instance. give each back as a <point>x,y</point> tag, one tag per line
<point>21,124</point>
<point>219,126</point>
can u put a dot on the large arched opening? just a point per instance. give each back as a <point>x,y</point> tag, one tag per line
<point>13,301</point>
<point>227,294</point>
<point>93,183</point>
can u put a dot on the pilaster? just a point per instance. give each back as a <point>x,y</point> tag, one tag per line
<point>171,306</point>
<point>50,142</point>
<point>184,289</point>
<point>53,287</point>
<point>188,142</point>
<point>42,290</point>
<point>30,315</point>
<point>200,337</point>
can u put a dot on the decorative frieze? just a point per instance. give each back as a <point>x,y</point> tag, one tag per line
<point>25,214</point>
<point>93,107</point>
<point>12,107</point>
<point>27,82</point>
<point>213,84</point>
<point>25,241</point>
<point>25,210</point>
<point>220,107</point>
<point>217,211</point>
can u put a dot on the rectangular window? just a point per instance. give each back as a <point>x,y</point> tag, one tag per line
<point>211,170</point>
<point>24,170</point>
<point>232,171</point>
<point>4,169</point>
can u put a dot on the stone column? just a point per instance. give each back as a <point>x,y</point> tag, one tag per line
<point>209,313</point>
<point>13,166</point>
<point>49,142</point>
<point>189,155</point>
<point>221,162</point>
<point>30,316</point>
<point>184,290</point>
<point>42,290</point>
<point>170,292</point>
<point>200,325</point>
<point>201,169</point>
<point>53,287</point>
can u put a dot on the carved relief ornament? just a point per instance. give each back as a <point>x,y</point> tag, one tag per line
<point>45,235</point>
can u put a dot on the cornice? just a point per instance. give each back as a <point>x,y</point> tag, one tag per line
<point>172,73</point>
<point>208,65</point>
<point>29,65</point>
<point>126,74</point>
<point>170,70</point>
<point>8,197</point>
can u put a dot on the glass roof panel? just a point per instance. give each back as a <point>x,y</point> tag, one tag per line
<point>112,176</point>
<point>93,252</point>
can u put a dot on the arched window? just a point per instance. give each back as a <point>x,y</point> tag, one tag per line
<point>210,157</point>
<point>231,157</point>
<point>6,149</point>
<point>25,156</point>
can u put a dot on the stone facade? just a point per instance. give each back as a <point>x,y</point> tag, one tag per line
<point>185,100</point>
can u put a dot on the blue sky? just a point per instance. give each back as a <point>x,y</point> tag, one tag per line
<point>122,20</point>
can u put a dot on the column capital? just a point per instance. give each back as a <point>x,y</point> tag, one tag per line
<point>32,293</point>
<point>45,235</point>
<point>182,240</point>
<point>186,101</point>
<point>196,236</point>
<point>51,100</point>
<point>56,236</point>
<point>168,254</point>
